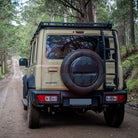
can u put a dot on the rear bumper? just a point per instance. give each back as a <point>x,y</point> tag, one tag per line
<point>97,99</point>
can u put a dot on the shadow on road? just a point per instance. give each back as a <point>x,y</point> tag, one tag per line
<point>71,118</point>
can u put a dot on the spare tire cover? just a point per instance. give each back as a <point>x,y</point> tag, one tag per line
<point>82,71</point>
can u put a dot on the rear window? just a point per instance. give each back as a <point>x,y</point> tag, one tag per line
<point>58,46</point>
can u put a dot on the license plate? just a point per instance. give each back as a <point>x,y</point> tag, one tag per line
<point>80,101</point>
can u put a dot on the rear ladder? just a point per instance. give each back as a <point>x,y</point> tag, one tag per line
<point>114,60</point>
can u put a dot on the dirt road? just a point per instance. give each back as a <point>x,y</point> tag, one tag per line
<point>13,119</point>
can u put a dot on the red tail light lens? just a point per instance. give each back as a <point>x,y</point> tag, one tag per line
<point>41,98</point>
<point>114,98</point>
<point>47,98</point>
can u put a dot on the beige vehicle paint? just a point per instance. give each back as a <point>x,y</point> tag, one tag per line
<point>47,71</point>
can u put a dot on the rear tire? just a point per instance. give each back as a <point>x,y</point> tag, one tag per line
<point>114,115</point>
<point>24,96</point>
<point>33,115</point>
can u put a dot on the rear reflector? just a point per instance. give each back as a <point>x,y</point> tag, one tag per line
<point>114,98</point>
<point>47,98</point>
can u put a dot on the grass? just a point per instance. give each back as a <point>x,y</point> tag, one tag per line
<point>124,49</point>
<point>25,70</point>
<point>132,80</point>
<point>130,61</point>
<point>2,76</point>
<point>132,87</point>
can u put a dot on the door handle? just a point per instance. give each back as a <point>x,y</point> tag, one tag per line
<point>52,69</point>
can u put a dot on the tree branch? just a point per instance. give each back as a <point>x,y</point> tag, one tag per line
<point>87,3</point>
<point>75,17</point>
<point>69,5</point>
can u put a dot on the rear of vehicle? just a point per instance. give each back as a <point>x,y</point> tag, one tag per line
<point>79,69</point>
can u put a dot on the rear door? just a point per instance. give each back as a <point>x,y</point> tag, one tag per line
<point>51,79</point>
<point>57,44</point>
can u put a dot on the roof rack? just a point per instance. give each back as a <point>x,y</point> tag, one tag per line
<point>44,24</point>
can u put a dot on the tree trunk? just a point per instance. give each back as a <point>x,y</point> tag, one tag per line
<point>81,7</point>
<point>120,32</point>
<point>132,23</point>
<point>127,34</point>
<point>1,61</point>
<point>65,16</point>
<point>124,36</point>
<point>52,17</point>
<point>90,12</point>
<point>84,12</point>
<point>95,12</point>
<point>120,26</point>
<point>5,61</point>
<point>77,13</point>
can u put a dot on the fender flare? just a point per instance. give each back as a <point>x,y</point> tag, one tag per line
<point>31,82</point>
<point>24,86</point>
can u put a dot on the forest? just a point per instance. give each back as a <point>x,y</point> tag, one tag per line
<point>20,18</point>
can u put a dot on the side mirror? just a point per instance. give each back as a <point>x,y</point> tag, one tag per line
<point>23,62</point>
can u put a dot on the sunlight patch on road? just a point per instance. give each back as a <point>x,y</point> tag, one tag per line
<point>17,73</point>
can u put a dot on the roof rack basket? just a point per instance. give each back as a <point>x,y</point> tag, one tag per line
<point>44,24</point>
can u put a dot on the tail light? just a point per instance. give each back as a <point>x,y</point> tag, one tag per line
<point>114,98</point>
<point>47,98</point>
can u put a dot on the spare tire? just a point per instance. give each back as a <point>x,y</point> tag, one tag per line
<point>82,71</point>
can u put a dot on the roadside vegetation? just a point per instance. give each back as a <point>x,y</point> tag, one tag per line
<point>19,20</point>
<point>130,69</point>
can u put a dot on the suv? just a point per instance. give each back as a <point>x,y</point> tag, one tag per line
<point>74,67</point>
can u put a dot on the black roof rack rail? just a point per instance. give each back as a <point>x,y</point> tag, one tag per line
<point>44,24</point>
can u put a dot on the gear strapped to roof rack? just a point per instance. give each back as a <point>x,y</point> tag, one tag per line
<point>105,26</point>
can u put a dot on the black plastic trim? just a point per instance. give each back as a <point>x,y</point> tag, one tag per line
<point>115,60</point>
<point>25,85</point>
<point>98,96</point>
<point>31,81</point>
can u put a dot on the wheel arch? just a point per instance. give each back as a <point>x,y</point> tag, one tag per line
<point>31,82</point>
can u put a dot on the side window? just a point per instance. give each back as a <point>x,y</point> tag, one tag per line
<point>33,52</point>
<point>37,42</point>
<point>30,56</point>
